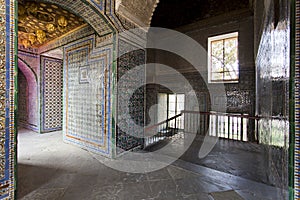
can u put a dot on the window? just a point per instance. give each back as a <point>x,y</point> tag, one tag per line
<point>223,64</point>
<point>170,105</point>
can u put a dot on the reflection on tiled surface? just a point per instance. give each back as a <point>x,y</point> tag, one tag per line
<point>51,169</point>
<point>273,74</point>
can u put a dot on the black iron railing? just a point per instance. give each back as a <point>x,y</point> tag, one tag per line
<point>165,129</point>
<point>232,126</point>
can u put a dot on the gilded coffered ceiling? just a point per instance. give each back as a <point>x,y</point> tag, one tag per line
<point>39,23</point>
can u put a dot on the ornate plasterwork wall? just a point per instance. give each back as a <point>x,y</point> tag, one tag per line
<point>136,11</point>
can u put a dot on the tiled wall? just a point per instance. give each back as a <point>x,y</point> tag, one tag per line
<point>130,135</point>
<point>8,101</point>
<point>51,94</point>
<point>87,95</point>
<point>272,93</point>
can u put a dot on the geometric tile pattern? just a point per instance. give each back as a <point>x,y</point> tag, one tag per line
<point>52,75</point>
<point>99,4</point>
<point>130,58</point>
<point>7,99</point>
<point>110,12</point>
<point>87,95</point>
<point>3,150</point>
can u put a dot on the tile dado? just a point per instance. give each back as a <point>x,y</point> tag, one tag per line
<point>87,97</point>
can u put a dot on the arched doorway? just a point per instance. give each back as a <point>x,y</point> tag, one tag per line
<point>27,97</point>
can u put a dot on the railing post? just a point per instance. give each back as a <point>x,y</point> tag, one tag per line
<point>175,125</point>
<point>217,125</point>
<point>257,129</point>
<point>228,128</point>
<point>242,127</point>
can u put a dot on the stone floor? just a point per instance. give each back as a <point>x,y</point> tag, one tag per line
<point>229,156</point>
<point>51,169</point>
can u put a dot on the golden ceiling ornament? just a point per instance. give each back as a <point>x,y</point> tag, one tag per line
<point>41,36</point>
<point>21,12</point>
<point>50,28</point>
<point>21,9</point>
<point>26,43</point>
<point>32,39</point>
<point>62,21</point>
<point>31,8</point>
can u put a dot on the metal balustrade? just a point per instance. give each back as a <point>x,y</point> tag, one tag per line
<point>222,125</point>
<point>165,129</point>
<point>232,126</point>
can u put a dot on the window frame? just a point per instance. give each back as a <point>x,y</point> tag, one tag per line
<point>209,57</point>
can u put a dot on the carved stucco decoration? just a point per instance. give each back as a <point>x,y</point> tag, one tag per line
<point>137,11</point>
